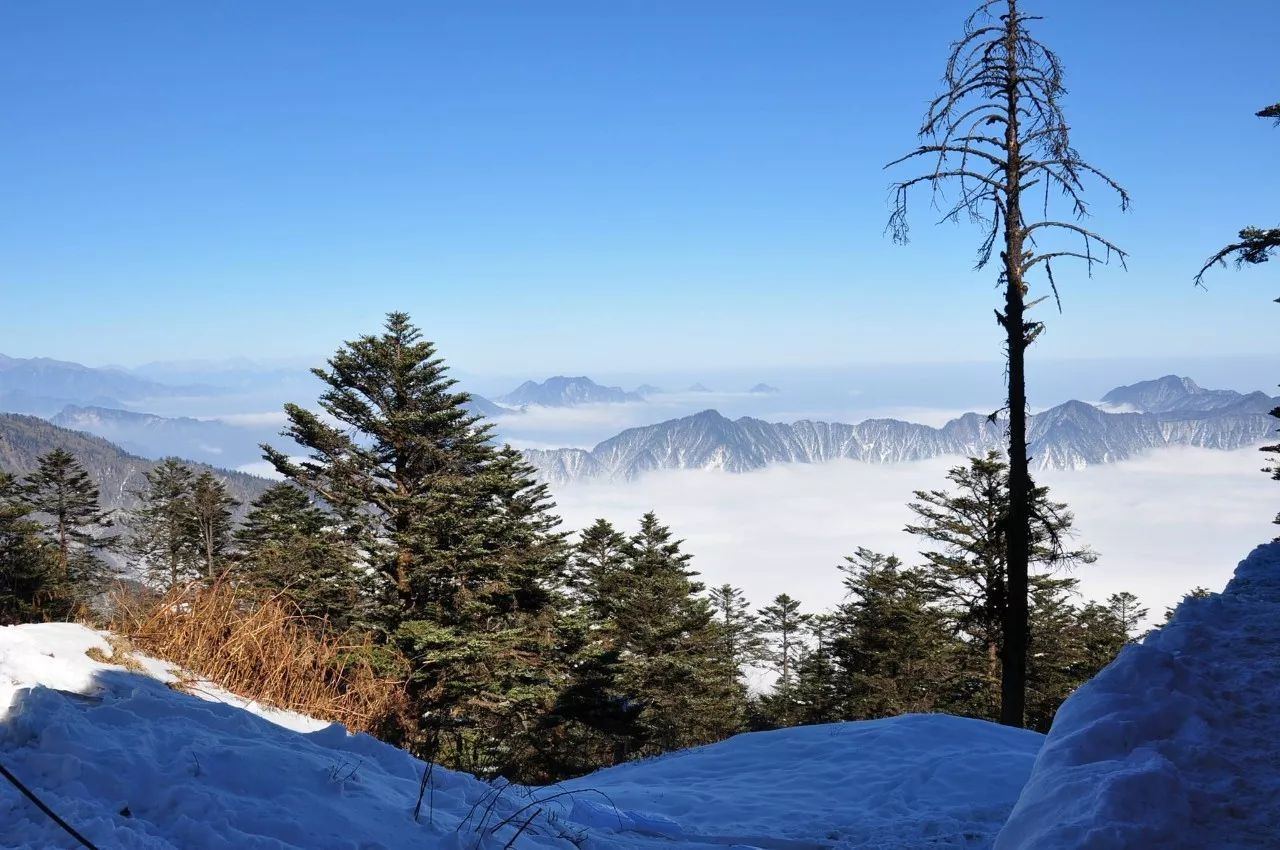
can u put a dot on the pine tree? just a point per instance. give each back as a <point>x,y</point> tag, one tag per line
<point>458,535</point>
<point>816,693</point>
<point>670,658</point>
<point>997,133</point>
<point>783,626</point>
<point>289,545</point>
<point>968,571</point>
<point>28,571</point>
<point>61,492</point>
<point>891,647</point>
<point>1127,611</point>
<point>211,507</point>
<point>163,531</point>
<point>739,629</point>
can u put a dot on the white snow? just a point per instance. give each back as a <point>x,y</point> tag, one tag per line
<point>133,763</point>
<point>1177,743</point>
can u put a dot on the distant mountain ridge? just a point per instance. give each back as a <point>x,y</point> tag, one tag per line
<point>562,391</point>
<point>1070,436</point>
<point>23,439</point>
<point>46,378</point>
<point>1168,394</point>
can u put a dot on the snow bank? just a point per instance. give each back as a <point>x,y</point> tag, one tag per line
<point>133,763</point>
<point>1177,743</point>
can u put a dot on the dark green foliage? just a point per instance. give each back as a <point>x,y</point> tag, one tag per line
<point>211,507</point>
<point>891,647</point>
<point>817,695</point>
<point>27,562</point>
<point>163,531</point>
<point>288,545</point>
<point>783,626</point>
<point>65,500</point>
<point>457,537</point>
<point>740,638</point>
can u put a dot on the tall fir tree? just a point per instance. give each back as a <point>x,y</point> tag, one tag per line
<point>66,501</point>
<point>968,566</point>
<point>163,532</point>
<point>783,626</point>
<point>288,545</point>
<point>28,571</point>
<point>670,658</point>
<point>457,533</point>
<point>211,507</point>
<point>817,693</point>
<point>740,637</point>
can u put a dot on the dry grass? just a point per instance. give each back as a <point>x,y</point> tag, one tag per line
<point>121,654</point>
<point>264,651</point>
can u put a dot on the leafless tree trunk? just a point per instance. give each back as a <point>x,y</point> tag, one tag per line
<point>995,133</point>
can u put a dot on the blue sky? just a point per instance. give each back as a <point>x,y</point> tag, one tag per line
<point>578,186</point>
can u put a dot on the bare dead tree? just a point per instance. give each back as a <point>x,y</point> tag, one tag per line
<point>998,139</point>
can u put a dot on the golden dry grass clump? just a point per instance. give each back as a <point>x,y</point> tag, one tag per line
<point>264,650</point>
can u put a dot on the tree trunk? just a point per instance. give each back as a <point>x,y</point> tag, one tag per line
<point>1013,676</point>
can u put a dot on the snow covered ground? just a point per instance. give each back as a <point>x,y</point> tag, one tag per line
<point>1177,743</point>
<point>134,763</point>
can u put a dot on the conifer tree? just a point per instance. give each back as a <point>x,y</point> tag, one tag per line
<point>211,507</point>
<point>999,136</point>
<point>289,545</point>
<point>457,533</point>
<point>783,626</point>
<point>816,693</point>
<point>1127,612</point>
<point>671,662</point>
<point>27,566</point>
<point>163,531</point>
<point>968,569</point>
<point>61,492</point>
<point>891,646</point>
<point>739,629</point>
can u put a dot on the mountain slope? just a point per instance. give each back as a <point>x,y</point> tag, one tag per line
<point>1071,435</point>
<point>46,378</point>
<point>1167,394</point>
<point>23,439</point>
<point>561,391</point>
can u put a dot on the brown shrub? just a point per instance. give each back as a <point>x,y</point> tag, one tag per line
<point>264,650</point>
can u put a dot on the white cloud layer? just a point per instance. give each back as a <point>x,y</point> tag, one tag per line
<point>1162,524</point>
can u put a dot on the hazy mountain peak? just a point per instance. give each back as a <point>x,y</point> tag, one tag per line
<point>1167,394</point>
<point>564,391</point>
<point>764,389</point>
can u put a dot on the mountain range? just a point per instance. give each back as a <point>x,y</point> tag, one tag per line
<point>561,391</point>
<point>43,385</point>
<point>1166,412</point>
<point>23,439</point>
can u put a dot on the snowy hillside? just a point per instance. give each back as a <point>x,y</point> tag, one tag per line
<point>1177,743</point>
<point>134,763</point>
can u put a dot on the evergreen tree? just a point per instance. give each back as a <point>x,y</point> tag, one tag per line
<point>598,559</point>
<point>458,535</point>
<point>891,646</point>
<point>783,627</point>
<point>64,496</point>
<point>816,693</point>
<point>1127,612</point>
<point>968,571</point>
<point>1196,592</point>
<point>289,545</point>
<point>28,570</point>
<point>997,134</point>
<point>163,531</point>
<point>211,507</point>
<point>670,659</point>
<point>740,637</point>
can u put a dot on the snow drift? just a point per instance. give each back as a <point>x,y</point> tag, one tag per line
<point>134,763</point>
<point>1177,743</point>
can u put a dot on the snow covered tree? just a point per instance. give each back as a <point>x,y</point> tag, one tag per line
<point>28,570</point>
<point>211,506</point>
<point>289,545</point>
<point>163,531</point>
<point>968,567</point>
<point>783,626</point>
<point>64,497</point>
<point>458,534</point>
<point>999,136</point>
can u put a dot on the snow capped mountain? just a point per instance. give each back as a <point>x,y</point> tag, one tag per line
<point>560,391</point>
<point>1069,436</point>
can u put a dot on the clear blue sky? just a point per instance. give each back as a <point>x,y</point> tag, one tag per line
<point>567,186</point>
